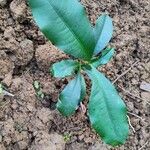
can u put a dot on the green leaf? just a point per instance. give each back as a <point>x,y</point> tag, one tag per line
<point>107,111</point>
<point>105,57</point>
<point>65,24</point>
<point>71,96</point>
<point>1,88</point>
<point>103,32</point>
<point>64,68</point>
<point>36,85</point>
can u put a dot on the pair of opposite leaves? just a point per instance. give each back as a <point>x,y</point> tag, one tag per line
<point>65,24</point>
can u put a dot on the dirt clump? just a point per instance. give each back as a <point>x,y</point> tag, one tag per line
<point>25,52</point>
<point>18,9</point>
<point>47,54</point>
<point>6,65</point>
<point>3,3</point>
<point>20,52</point>
<point>27,120</point>
<point>46,141</point>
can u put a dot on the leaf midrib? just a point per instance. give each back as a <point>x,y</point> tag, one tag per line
<point>70,29</point>
<point>77,78</point>
<point>109,113</point>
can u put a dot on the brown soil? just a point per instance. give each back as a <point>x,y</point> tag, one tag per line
<point>27,122</point>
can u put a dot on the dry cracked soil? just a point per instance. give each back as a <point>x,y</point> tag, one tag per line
<point>30,123</point>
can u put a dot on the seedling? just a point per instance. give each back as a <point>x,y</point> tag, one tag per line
<point>67,137</point>
<point>65,24</point>
<point>38,90</point>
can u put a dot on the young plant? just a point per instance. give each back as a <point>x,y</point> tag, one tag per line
<point>38,90</point>
<point>65,24</point>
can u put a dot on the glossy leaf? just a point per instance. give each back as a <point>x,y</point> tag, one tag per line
<point>105,57</point>
<point>103,32</point>
<point>107,111</point>
<point>64,68</point>
<point>71,96</point>
<point>65,24</point>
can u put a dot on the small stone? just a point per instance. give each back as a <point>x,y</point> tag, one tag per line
<point>145,86</point>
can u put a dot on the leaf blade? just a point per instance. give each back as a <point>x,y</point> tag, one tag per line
<point>103,32</point>
<point>66,25</point>
<point>71,96</point>
<point>64,68</point>
<point>107,112</point>
<point>105,57</point>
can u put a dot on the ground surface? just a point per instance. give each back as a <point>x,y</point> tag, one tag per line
<point>25,56</point>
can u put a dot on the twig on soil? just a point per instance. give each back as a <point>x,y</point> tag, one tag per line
<point>130,124</point>
<point>7,93</point>
<point>143,146</point>
<point>125,72</point>
<point>132,95</point>
<point>136,116</point>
